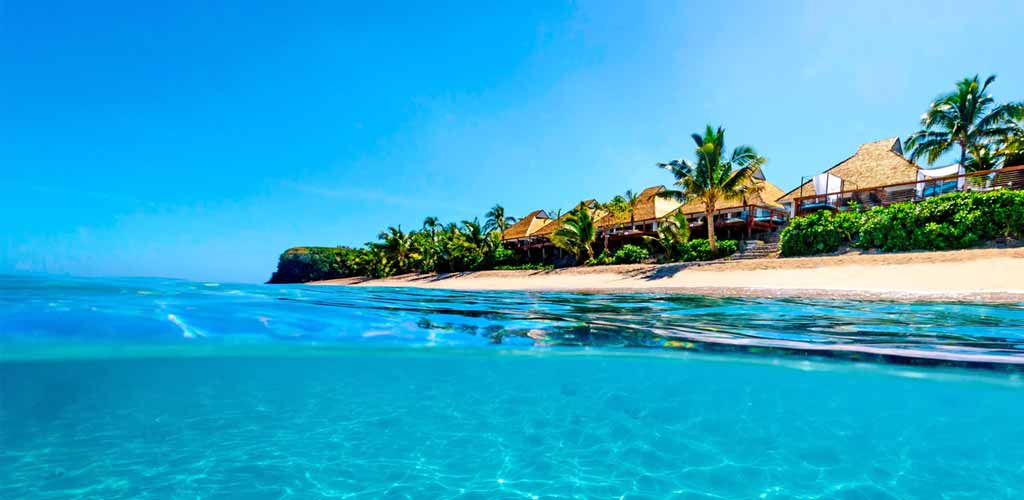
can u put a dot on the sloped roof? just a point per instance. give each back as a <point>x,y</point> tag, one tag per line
<point>769,193</point>
<point>874,164</point>
<point>649,206</point>
<point>527,226</point>
<point>557,223</point>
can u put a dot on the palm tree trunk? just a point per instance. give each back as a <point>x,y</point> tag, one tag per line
<point>709,215</point>
<point>963,155</point>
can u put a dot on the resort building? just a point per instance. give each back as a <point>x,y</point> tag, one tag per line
<point>650,209</point>
<point>875,164</point>
<point>524,231</point>
<point>532,234</point>
<point>743,218</point>
<point>878,174</point>
<point>739,219</point>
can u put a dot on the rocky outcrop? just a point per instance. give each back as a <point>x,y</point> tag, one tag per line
<point>302,264</point>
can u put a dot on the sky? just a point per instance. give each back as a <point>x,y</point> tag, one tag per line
<point>199,139</point>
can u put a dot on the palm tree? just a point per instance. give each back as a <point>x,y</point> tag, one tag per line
<point>673,232</point>
<point>714,177</point>
<point>397,245</point>
<point>497,220</point>
<point>475,234</point>
<point>1012,148</point>
<point>430,224</point>
<point>577,233</point>
<point>967,117</point>
<point>632,199</point>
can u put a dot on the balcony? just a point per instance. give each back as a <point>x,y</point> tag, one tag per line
<point>987,180</point>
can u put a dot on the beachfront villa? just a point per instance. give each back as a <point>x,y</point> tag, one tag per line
<point>878,174</point>
<point>742,218</point>
<point>534,237</point>
<point>878,164</point>
<point>650,209</point>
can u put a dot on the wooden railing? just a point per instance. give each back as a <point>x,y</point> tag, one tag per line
<point>747,216</point>
<point>986,180</point>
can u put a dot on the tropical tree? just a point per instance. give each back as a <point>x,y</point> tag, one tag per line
<point>1012,148</point>
<point>475,233</point>
<point>430,224</point>
<point>397,246</point>
<point>673,233</point>
<point>967,118</point>
<point>632,199</point>
<point>715,176</point>
<point>577,233</point>
<point>982,156</point>
<point>496,220</point>
<point>378,265</point>
<point>623,204</point>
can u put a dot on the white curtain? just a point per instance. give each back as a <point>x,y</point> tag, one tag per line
<point>934,173</point>
<point>827,183</point>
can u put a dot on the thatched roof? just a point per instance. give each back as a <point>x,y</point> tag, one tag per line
<point>874,164</point>
<point>553,226</point>
<point>649,206</point>
<point>769,192</point>
<point>527,226</point>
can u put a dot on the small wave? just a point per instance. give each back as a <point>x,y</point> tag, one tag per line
<point>153,311</point>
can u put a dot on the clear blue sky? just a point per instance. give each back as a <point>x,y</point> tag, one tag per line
<point>200,139</point>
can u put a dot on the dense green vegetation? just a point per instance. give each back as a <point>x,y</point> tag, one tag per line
<point>577,233</point>
<point>433,248</point>
<point>819,232</point>
<point>525,267</point>
<point>687,251</point>
<point>947,222</point>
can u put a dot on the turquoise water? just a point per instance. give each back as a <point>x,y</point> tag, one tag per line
<point>172,389</point>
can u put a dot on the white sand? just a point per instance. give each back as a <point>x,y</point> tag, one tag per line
<point>973,275</point>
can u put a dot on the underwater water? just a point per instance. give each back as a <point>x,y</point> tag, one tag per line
<point>141,388</point>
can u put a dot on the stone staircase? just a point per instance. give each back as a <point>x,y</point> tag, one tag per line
<point>765,248</point>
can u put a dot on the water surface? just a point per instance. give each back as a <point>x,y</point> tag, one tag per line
<point>173,389</point>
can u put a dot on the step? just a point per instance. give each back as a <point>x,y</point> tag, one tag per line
<point>755,249</point>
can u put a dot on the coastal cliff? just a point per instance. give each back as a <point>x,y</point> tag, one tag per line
<point>303,264</point>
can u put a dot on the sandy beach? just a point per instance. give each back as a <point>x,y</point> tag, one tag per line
<point>979,275</point>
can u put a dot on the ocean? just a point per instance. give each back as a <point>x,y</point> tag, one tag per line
<point>152,388</point>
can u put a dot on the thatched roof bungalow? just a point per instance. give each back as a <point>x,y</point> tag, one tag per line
<point>527,226</point>
<point>649,209</point>
<point>878,163</point>
<point>757,213</point>
<point>591,205</point>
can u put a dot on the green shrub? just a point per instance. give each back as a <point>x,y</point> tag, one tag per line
<point>950,221</point>
<point>631,254</point>
<point>504,256</point>
<point>947,222</point>
<point>525,267</point>
<point>601,260</point>
<point>700,250</point>
<point>819,232</point>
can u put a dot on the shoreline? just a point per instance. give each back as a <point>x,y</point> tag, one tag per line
<point>991,275</point>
